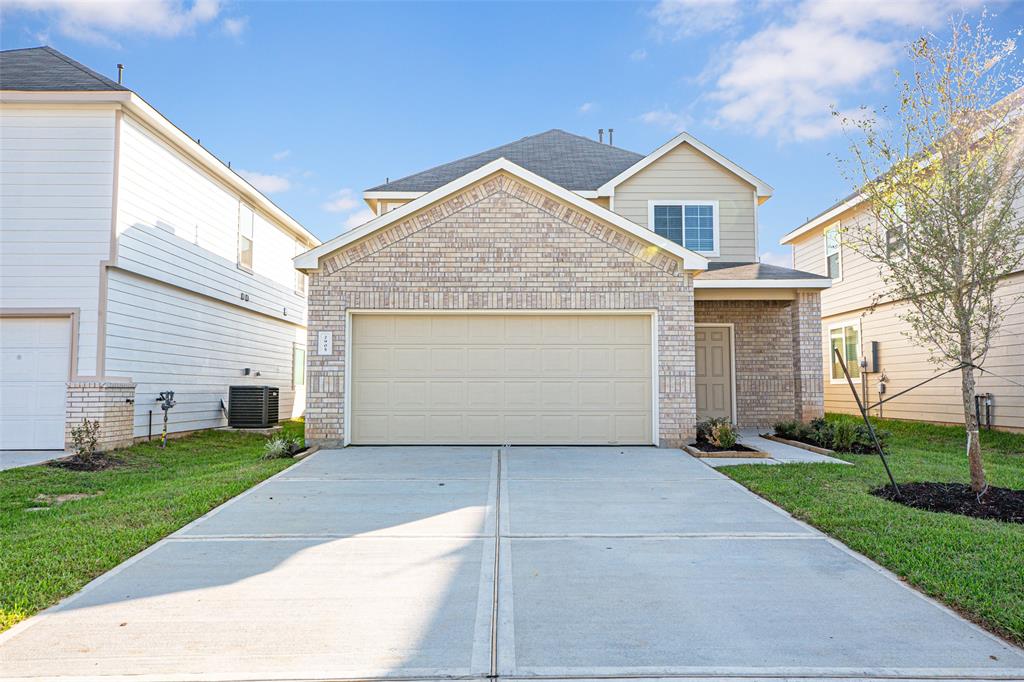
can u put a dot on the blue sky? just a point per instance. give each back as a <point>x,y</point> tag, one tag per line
<point>317,101</point>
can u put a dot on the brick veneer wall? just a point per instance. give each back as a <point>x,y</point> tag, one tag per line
<point>501,244</point>
<point>111,403</point>
<point>763,357</point>
<point>807,356</point>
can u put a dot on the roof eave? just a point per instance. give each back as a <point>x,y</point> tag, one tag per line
<point>815,283</point>
<point>826,217</point>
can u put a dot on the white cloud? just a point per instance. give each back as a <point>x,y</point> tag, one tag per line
<point>783,79</point>
<point>784,260</point>
<point>586,107</point>
<point>676,19</point>
<point>663,118</point>
<point>264,182</point>
<point>358,218</point>
<point>94,22</point>
<point>235,26</point>
<point>638,55</point>
<point>283,154</point>
<point>341,201</point>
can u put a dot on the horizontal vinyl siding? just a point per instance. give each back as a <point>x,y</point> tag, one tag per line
<point>686,174</point>
<point>906,364</point>
<point>169,339</point>
<point>56,184</point>
<point>178,225</point>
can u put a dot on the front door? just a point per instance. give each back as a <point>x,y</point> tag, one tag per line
<point>714,372</point>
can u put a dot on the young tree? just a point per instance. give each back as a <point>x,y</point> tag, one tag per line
<point>942,179</point>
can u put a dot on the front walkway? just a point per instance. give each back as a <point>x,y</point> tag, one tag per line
<point>781,453</point>
<point>428,563</point>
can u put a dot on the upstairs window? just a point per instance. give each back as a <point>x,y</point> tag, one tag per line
<point>245,236</point>
<point>833,253</point>
<point>845,337</point>
<point>692,224</point>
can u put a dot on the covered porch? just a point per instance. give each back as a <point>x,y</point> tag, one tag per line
<point>758,350</point>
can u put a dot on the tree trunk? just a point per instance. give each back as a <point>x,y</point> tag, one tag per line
<point>971,423</point>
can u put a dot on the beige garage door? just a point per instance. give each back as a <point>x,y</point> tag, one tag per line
<point>491,379</point>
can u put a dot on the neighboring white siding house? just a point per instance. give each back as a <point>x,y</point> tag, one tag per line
<point>115,222</point>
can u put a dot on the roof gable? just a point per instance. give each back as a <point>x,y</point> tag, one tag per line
<point>580,212</point>
<point>572,161</point>
<point>46,69</point>
<point>762,188</point>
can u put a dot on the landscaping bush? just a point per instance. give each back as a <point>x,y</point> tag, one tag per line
<point>717,431</point>
<point>844,435</point>
<point>281,447</point>
<point>787,429</point>
<point>839,435</point>
<point>85,437</point>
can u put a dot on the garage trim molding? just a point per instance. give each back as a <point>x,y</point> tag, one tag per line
<point>653,314</point>
<point>732,356</point>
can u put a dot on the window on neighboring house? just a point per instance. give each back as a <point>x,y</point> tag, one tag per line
<point>693,224</point>
<point>245,232</point>
<point>833,253</point>
<point>845,337</point>
<point>895,242</point>
<point>298,365</point>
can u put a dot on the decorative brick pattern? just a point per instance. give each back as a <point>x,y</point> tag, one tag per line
<point>110,403</point>
<point>501,245</point>
<point>807,360</point>
<point>763,356</point>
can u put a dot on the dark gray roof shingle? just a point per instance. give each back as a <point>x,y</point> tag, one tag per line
<point>753,271</point>
<point>574,162</point>
<point>44,68</point>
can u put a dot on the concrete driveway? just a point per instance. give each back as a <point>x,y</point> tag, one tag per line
<point>381,562</point>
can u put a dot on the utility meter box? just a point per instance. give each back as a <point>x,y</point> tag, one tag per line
<point>870,363</point>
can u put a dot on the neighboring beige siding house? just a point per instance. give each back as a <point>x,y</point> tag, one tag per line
<point>849,322</point>
<point>133,262</point>
<point>559,290</point>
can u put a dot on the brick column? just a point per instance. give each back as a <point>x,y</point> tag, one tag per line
<point>111,403</point>
<point>809,385</point>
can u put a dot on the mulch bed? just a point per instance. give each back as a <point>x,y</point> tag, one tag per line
<point>708,447</point>
<point>97,462</point>
<point>999,504</point>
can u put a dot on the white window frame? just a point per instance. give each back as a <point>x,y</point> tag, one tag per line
<point>242,208</point>
<point>295,348</point>
<point>855,322</point>
<point>839,250</point>
<point>713,203</point>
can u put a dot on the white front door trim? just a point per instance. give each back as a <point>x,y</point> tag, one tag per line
<point>732,359</point>
<point>350,312</point>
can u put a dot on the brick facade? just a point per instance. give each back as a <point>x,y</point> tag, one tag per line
<point>110,403</point>
<point>502,245</point>
<point>810,383</point>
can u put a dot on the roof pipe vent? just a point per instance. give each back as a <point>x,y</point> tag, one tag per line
<point>600,134</point>
<point>120,74</point>
<point>610,131</point>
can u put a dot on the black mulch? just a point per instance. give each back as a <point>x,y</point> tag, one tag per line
<point>999,504</point>
<point>98,462</point>
<point>704,446</point>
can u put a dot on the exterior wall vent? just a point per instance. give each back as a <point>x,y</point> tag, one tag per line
<point>253,407</point>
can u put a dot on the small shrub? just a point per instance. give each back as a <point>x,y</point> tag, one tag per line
<point>724,435</point>
<point>85,438</point>
<point>844,436</point>
<point>862,443</point>
<point>786,429</point>
<point>822,433</point>
<point>281,447</point>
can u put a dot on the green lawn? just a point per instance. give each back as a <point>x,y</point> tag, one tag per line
<point>974,566</point>
<point>49,554</point>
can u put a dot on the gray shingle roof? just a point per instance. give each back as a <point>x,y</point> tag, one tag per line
<point>752,271</point>
<point>574,162</point>
<point>44,68</point>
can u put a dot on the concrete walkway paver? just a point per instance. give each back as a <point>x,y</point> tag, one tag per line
<point>612,562</point>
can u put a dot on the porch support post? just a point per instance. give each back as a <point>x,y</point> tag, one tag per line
<point>809,381</point>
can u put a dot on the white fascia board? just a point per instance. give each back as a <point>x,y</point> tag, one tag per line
<point>826,217</point>
<point>311,259</point>
<point>701,283</point>
<point>762,188</point>
<point>384,194</point>
<point>131,102</point>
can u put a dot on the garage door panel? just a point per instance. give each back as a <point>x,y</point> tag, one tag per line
<point>502,379</point>
<point>34,363</point>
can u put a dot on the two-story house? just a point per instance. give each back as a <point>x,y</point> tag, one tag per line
<point>132,261</point>
<point>559,290</point>
<point>861,325</point>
